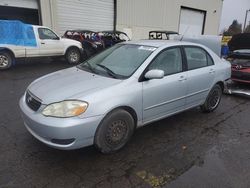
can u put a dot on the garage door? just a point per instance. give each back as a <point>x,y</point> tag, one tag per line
<point>31,4</point>
<point>24,10</point>
<point>85,14</point>
<point>191,21</point>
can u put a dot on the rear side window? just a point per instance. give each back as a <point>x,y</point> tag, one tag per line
<point>197,58</point>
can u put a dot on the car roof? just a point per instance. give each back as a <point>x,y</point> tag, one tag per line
<point>161,43</point>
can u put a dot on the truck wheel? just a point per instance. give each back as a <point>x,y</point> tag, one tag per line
<point>213,99</point>
<point>6,60</point>
<point>73,56</point>
<point>114,131</point>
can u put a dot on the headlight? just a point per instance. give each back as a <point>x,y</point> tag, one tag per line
<point>65,109</point>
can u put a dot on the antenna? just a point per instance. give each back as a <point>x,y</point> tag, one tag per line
<point>185,32</point>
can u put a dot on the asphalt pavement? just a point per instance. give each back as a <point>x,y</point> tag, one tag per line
<point>190,149</point>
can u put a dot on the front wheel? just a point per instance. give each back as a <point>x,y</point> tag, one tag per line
<point>213,99</point>
<point>114,131</point>
<point>73,56</point>
<point>6,60</point>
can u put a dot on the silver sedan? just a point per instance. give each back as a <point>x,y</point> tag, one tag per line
<point>103,100</point>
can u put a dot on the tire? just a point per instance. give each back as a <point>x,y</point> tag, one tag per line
<point>6,60</point>
<point>213,99</point>
<point>114,131</point>
<point>73,56</point>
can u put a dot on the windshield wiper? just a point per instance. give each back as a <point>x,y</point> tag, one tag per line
<point>110,72</point>
<point>88,65</point>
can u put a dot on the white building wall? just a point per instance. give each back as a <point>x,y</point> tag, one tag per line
<point>47,11</point>
<point>138,17</point>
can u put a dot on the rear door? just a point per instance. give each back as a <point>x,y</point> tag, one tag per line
<point>162,97</point>
<point>200,75</point>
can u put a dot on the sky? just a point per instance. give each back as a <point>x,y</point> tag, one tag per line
<point>234,9</point>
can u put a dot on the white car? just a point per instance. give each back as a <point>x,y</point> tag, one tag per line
<point>22,41</point>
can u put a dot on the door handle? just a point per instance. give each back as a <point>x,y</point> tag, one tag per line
<point>211,71</point>
<point>42,42</point>
<point>182,78</point>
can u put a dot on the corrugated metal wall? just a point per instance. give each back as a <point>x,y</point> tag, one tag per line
<point>146,13</point>
<point>84,14</point>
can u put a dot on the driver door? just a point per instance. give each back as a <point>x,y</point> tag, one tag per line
<point>50,43</point>
<point>162,97</point>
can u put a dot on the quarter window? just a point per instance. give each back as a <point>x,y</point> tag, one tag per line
<point>197,58</point>
<point>170,61</point>
<point>45,33</point>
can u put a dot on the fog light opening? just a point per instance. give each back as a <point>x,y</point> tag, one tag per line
<point>63,141</point>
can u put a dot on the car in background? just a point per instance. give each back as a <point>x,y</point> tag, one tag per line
<point>162,35</point>
<point>239,57</point>
<point>111,38</point>
<point>103,100</point>
<point>24,41</point>
<point>91,41</point>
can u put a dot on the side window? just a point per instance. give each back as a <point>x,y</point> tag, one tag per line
<point>209,60</point>
<point>197,58</point>
<point>45,33</point>
<point>170,61</point>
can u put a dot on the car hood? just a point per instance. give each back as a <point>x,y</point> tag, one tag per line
<point>68,84</point>
<point>242,62</point>
<point>239,42</point>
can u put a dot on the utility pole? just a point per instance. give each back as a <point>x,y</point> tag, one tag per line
<point>245,20</point>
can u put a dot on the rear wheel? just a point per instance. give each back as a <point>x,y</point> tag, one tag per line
<point>114,131</point>
<point>73,56</point>
<point>6,60</point>
<point>213,99</point>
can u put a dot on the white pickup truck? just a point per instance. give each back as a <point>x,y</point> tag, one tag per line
<point>19,40</point>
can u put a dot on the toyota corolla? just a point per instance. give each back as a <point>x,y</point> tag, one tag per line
<point>103,100</point>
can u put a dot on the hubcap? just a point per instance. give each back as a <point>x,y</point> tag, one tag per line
<point>214,99</point>
<point>117,131</point>
<point>73,56</point>
<point>4,61</point>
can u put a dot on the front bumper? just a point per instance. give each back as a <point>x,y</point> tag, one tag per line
<point>60,133</point>
<point>233,88</point>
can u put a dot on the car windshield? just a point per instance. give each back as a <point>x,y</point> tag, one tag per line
<point>119,61</point>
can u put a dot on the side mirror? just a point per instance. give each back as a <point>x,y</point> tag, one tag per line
<point>154,74</point>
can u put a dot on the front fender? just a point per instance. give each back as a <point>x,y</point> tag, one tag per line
<point>122,95</point>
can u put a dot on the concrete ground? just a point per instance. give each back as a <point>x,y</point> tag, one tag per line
<point>191,149</point>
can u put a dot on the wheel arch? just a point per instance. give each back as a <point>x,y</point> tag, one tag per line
<point>71,47</point>
<point>221,84</point>
<point>129,109</point>
<point>4,49</point>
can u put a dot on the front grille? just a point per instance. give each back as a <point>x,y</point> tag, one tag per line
<point>32,102</point>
